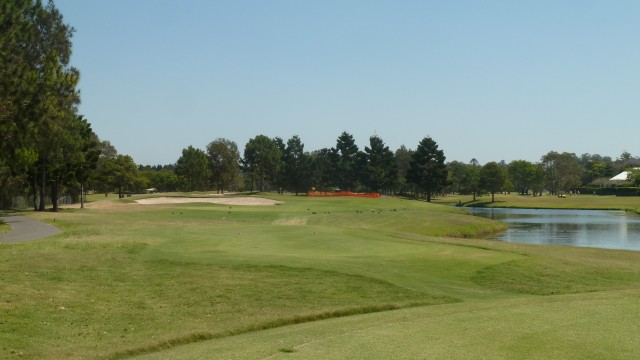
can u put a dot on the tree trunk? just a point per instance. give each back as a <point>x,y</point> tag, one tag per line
<point>81,194</point>
<point>42,186</point>
<point>54,195</point>
<point>35,193</point>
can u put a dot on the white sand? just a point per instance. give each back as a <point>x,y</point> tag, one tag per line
<point>249,200</point>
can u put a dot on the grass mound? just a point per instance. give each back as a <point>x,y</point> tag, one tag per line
<point>548,270</point>
<point>545,277</point>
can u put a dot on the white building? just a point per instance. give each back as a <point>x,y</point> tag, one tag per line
<point>622,177</point>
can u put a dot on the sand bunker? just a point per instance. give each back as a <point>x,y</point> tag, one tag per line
<point>249,200</point>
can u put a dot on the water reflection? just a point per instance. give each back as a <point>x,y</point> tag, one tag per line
<point>593,228</point>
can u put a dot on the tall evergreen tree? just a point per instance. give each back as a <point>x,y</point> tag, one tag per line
<point>381,170</point>
<point>493,177</point>
<point>346,152</point>
<point>38,95</point>
<point>457,174</point>
<point>403,159</point>
<point>296,165</point>
<point>427,169</point>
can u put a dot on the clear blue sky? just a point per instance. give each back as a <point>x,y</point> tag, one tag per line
<point>491,80</point>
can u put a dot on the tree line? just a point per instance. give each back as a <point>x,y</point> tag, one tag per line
<point>45,145</point>
<point>48,149</point>
<point>270,164</point>
<point>556,173</point>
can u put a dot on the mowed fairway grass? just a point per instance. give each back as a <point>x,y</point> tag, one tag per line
<point>311,278</point>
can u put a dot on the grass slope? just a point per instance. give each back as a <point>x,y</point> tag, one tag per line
<point>600,326</point>
<point>129,279</point>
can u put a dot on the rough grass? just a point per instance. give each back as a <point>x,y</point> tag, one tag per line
<point>130,280</point>
<point>4,227</point>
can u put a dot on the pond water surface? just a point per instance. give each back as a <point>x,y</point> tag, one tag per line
<point>592,228</point>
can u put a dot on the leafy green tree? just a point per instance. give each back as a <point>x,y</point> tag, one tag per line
<point>80,154</point>
<point>472,180</point>
<point>261,160</point>
<point>89,161</point>
<point>592,171</point>
<point>625,156</point>
<point>562,171</point>
<point>634,177</point>
<point>457,173</point>
<point>537,179</point>
<point>224,163</point>
<point>119,171</point>
<point>193,165</point>
<point>493,177</point>
<point>596,167</point>
<point>521,173</point>
<point>124,173</point>
<point>99,180</point>
<point>427,169</point>
<point>162,180</point>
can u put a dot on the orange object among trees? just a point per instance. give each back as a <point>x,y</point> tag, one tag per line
<point>343,193</point>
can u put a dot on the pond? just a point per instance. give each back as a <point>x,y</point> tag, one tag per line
<point>592,228</point>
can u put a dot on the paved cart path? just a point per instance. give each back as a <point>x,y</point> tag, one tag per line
<point>24,228</point>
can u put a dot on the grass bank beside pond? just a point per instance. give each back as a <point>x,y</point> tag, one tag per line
<point>311,278</point>
<point>587,202</point>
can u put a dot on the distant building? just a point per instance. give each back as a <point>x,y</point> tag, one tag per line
<point>623,177</point>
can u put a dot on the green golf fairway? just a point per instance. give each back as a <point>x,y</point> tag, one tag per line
<point>308,278</point>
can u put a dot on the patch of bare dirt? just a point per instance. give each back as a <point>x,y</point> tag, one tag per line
<point>291,221</point>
